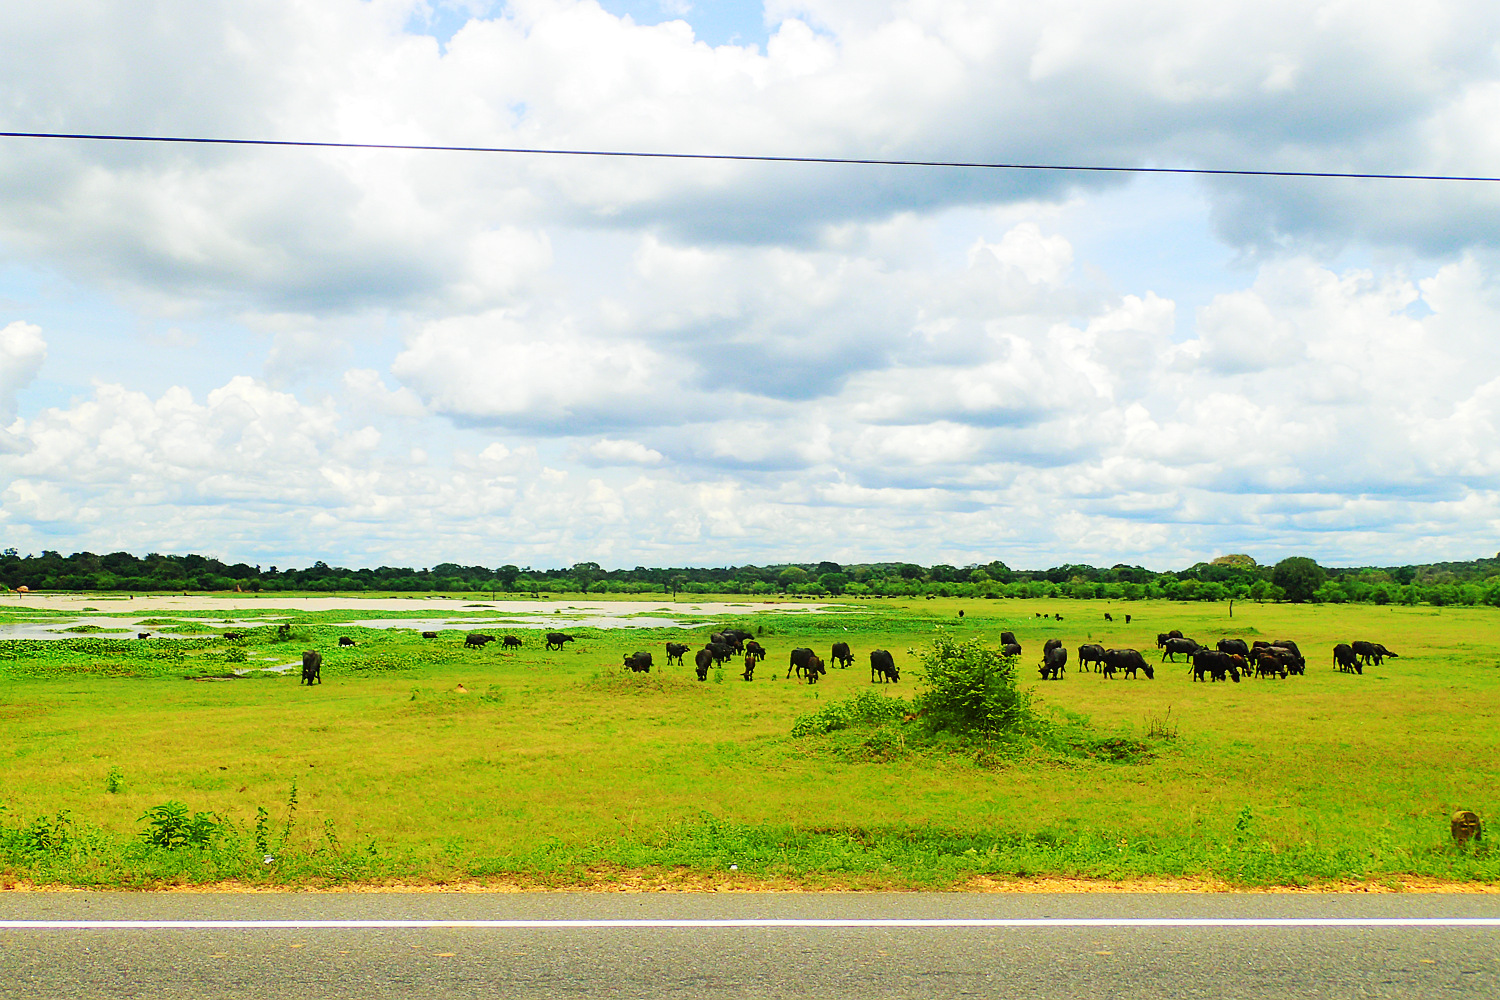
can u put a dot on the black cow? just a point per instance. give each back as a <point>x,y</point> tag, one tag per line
<point>1162,637</point>
<point>429,635</point>
<point>1058,617</point>
<point>730,639</point>
<point>511,642</point>
<point>476,640</point>
<point>1054,662</point>
<point>1126,660</point>
<point>1287,644</point>
<point>1175,646</point>
<point>1011,649</point>
<point>1214,663</point>
<point>557,639</point>
<point>1090,652</point>
<point>749,673</point>
<point>883,666</point>
<point>676,651</point>
<point>1108,617</point>
<point>1268,664</point>
<point>1127,619</point>
<point>1007,638</point>
<point>721,652</point>
<point>701,662</point>
<point>1345,659</point>
<point>841,655</point>
<point>1381,652</point>
<point>755,649</point>
<point>1049,646</point>
<point>639,662</point>
<point>143,635</point>
<point>1233,646</point>
<point>227,635</point>
<point>1371,652</point>
<point>344,640</point>
<point>312,667</point>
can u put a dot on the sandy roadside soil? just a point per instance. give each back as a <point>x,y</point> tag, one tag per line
<point>140,603</point>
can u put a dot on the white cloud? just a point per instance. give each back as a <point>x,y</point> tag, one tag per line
<point>612,451</point>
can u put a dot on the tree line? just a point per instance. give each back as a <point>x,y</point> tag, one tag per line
<point>1228,577</point>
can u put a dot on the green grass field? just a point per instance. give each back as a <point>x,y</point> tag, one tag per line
<point>561,769</point>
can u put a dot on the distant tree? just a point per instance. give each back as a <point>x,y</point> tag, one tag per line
<point>1237,559</point>
<point>791,578</point>
<point>1299,576</point>
<point>834,582</point>
<point>911,571</point>
<point>586,573</point>
<point>828,567</point>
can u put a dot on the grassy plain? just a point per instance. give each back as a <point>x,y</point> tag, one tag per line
<point>559,768</point>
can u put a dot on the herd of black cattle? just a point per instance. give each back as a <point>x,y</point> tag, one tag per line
<point>1230,659</point>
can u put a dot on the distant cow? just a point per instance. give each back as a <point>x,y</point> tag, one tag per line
<point>1054,662</point>
<point>1233,646</point>
<point>1127,619</point>
<point>1175,646</point>
<point>477,640</point>
<point>312,667</point>
<point>1345,659</point>
<point>344,640</point>
<point>676,651</point>
<point>556,640</point>
<point>1108,617</point>
<point>1007,638</point>
<point>755,649</point>
<point>749,673</point>
<point>227,635</point>
<point>841,655</point>
<point>1011,649</point>
<point>883,667</point>
<point>702,660</point>
<point>1058,617</point>
<point>1090,652</point>
<point>1371,653</point>
<point>639,662</point>
<point>143,635</point>
<point>429,635</point>
<point>511,642</point>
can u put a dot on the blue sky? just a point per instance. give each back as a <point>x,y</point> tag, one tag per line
<point>279,356</point>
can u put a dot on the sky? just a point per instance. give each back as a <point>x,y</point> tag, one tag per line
<point>278,355</point>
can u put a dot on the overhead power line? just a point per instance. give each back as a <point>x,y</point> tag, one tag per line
<point>751,158</point>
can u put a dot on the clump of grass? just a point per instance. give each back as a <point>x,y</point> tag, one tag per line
<point>867,707</point>
<point>114,781</point>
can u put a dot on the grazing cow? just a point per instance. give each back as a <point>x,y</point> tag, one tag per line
<point>749,673</point>
<point>312,667</point>
<point>1287,644</point>
<point>800,661</point>
<point>557,639</point>
<point>1162,637</point>
<point>1054,662</point>
<point>1058,617</point>
<point>960,612</point>
<point>1214,663</point>
<point>1007,638</point>
<point>228,635</point>
<point>1269,665</point>
<point>511,642</point>
<point>143,635</point>
<point>1037,613</point>
<point>1108,617</point>
<point>730,640</point>
<point>429,635</point>
<point>701,662</point>
<point>1126,660</point>
<point>1345,659</point>
<point>841,655</point>
<point>639,662</point>
<point>1234,646</point>
<point>344,640</point>
<point>814,670</point>
<point>676,651</point>
<point>1050,645</point>
<point>1381,652</point>
<point>1371,653</point>
<point>1127,619</point>
<point>755,649</point>
<point>1011,649</point>
<point>883,665</point>
<point>1090,652</point>
<point>476,640</point>
<point>721,652</point>
<point>1175,646</point>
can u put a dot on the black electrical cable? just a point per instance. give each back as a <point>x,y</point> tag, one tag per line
<point>744,157</point>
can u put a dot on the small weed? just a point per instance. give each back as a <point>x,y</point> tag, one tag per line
<point>114,781</point>
<point>1161,726</point>
<point>170,826</point>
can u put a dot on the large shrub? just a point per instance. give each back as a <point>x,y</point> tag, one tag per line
<point>971,691</point>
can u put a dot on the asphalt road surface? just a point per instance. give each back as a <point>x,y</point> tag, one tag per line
<point>309,946</point>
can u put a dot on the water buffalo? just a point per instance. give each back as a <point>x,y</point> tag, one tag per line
<point>1049,646</point>
<point>1108,617</point>
<point>1126,660</point>
<point>1162,637</point>
<point>1216,664</point>
<point>841,655</point>
<point>1011,649</point>
<point>702,660</point>
<point>1234,646</point>
<point>883,666</point>
<point>1008,638</point>
<point>227,635</point>
<point>1268,664</point>
<point>1179,645</point>
<point>429,635</point>
<point>806,664</point>
<point>511,642</point>
<point>477,640</point>
<point>755,649</point>
<point>344,640</point>
<point>312,667</point>
<point>676,651</point>
<point>1127,619</point>
<point>639,662</point>
<point>1371,653</point>
<point>556,639</point>
<point>1054,662</point>
<point>1090,652</point>
<point>749,673</point>
<point>143,635</point>
<point>730,639</point>
<point>720,651</point>
<point>1344,659</point>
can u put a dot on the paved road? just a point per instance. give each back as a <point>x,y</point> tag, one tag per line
<point>1026,946</point>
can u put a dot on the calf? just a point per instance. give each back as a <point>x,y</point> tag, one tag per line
<point>312,667</point>
<point>676,651</point>
<point>511,642</point>
<point>800,661</point>
<point>477,640</point>
<point>841,655</point>
<point>556,640</point>
<point>883,666</point>
<point>639,662</point>
<point>749,673</point>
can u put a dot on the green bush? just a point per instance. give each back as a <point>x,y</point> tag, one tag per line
<point>971,691</point>
<point>867,707</point>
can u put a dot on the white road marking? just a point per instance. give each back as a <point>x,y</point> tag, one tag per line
<point>753,923</point>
